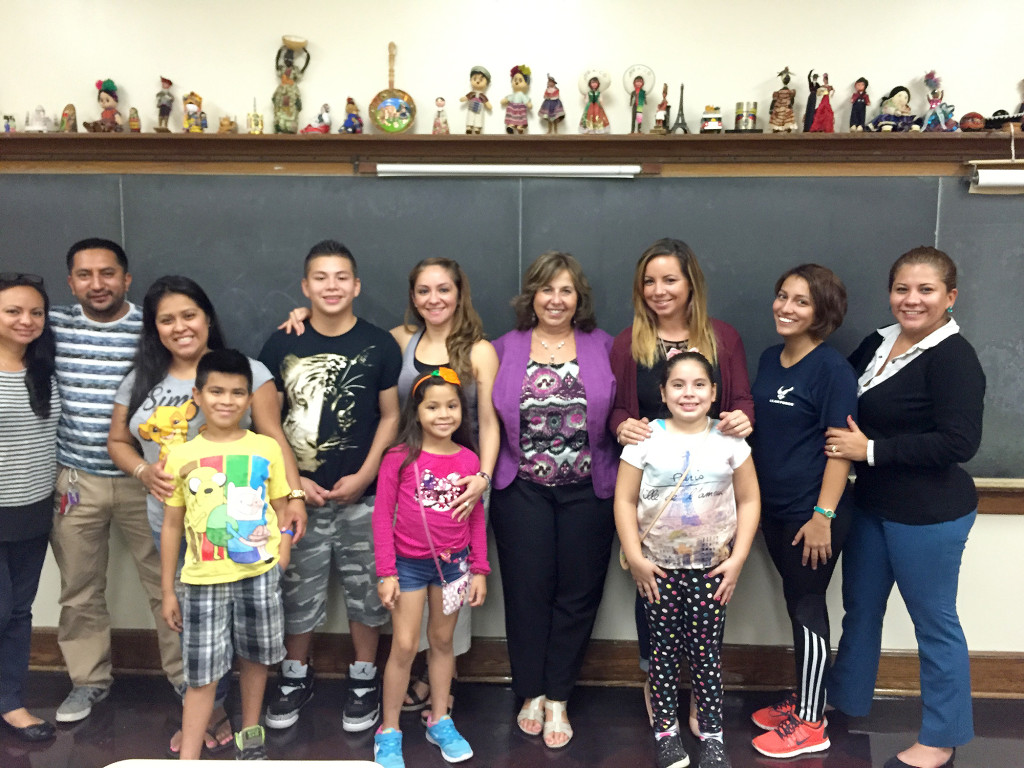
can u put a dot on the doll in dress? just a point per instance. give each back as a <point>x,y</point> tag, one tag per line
<point>859,103</point>
<point>517,103</point>
<point>812,100</point>
<point>939,116</point>
<point>824,119</point>
<point>110,119</point>
<point>594,119</point>
<point>781,117</point>
<point>638,81</point>
<point>321,123</point>
<point>895,114</point>
<point>440,119</point>
<point>551,111</point>
<point>476,100</point>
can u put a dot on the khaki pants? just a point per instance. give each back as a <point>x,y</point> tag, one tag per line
<point>81,547</point>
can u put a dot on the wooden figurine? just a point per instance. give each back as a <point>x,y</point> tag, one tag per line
<point>594,119</point>
<point>859,103</point>
<point>939,116</point>
<point>552,111</point>
<point>440,119</point>
<point>68,120</point>
<point>517,103</point>
<point>321,123</point>
<point>781,117</point>
<point>194,119</point>
<point>164,104</point>
<point>287,99</point>
<point>110,119</point>
<point>638,80</point>
<point>134,123</point>
<point>661,113</point>
<point>227,125</point>
<point>824,119</point>
<point>476,100</point>
<point>895,114</point>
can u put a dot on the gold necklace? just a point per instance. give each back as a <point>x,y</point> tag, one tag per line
<point>664,347</point>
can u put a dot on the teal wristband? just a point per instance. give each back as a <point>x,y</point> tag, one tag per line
<point>829,513</point>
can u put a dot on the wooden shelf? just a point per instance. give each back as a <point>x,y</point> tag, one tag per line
<point>796,154</point>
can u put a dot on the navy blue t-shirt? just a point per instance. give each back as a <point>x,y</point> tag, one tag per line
<point>794,407</point>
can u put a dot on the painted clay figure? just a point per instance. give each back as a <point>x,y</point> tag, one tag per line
<point>37,121</point>
<point>781,117</point>
<point>552,111</point>
<point>68,120</point>
<point>517,103</point>
<point>859,103</point>
<point>194,120</point>
<point>110,119</point>
<point>321,123</point>
<point>476,100</point>
<point>661,112</point>
<point>440,119</point>
<point>939,116</point>
<point>638,80</point>
<point>812,100</point>
<point>824,119</point>
<point>594,119</point>
<point>287,103</point>
<point>164,104</point>
<point>134,123</point>
<point>895,114</point>
<point>353,123</point>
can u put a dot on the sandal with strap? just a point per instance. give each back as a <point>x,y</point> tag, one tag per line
<point>534,711</point>
<point>211,735</point>
<point>556,724</point>
<point>415,701</point>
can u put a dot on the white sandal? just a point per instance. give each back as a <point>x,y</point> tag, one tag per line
<point>556,724</point>
<point>533,711</point>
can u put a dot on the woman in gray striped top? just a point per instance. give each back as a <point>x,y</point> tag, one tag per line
<point>29,408</point>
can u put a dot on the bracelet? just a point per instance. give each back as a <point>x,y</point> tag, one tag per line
<point>138,470</point>
<point>829,513</point>
<point>485,476</point>
<point>288,531</point>
<point>382,579</point>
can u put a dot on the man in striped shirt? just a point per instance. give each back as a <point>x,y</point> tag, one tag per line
<point>96,341</point>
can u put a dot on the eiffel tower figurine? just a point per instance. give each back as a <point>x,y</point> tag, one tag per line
<point>680,121</point>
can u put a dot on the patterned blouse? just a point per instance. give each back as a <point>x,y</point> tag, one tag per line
<point>553,425</point>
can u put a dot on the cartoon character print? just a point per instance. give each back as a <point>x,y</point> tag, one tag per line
<point>168,425</point>
<point>439,493</point>
<point>246,512</point>
<point>206,520</point>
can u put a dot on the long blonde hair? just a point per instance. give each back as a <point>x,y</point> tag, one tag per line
<point>646,349</point>
<point>467,327</point>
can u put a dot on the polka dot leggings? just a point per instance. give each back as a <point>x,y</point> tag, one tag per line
<point>689,622</point>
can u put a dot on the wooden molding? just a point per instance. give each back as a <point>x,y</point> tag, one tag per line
<point>607,662</point>
<point>708,154</point>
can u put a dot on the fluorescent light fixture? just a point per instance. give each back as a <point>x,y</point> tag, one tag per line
<point>477,169</point>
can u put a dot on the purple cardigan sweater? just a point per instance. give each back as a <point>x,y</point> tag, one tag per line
<point>592,351</point>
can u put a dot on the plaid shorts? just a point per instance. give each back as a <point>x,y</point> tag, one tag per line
<point>220,620</point>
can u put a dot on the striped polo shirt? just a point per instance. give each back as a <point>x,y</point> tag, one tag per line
<point>92,358</point>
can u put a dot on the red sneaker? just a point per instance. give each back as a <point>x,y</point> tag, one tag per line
<point>793,737</point>
<point>770,718</point>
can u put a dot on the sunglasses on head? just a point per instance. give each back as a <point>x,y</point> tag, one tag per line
<point>11,279</point>
<point>445,373</point>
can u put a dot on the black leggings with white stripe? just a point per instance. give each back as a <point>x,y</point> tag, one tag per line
<point>804,590</point>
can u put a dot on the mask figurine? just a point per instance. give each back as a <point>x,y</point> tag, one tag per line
<point>781,117</point>
<point>164,103</point>
<point>68,120</point>
<point>476,100</point>
<point>110,119</point>
<point>440,119</point>
<point>551,110</point>
<point>859,103</point>
<point>517,103</point>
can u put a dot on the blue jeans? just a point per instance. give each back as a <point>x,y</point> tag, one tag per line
<point>924,562</point>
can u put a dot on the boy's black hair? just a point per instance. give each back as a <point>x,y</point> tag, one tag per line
<point>330,248</point>
<point>228,361</point>
<point>97,242</point>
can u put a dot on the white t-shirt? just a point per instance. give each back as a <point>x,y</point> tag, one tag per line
<point>697,528</point>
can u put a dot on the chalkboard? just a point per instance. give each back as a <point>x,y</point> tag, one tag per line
<point>244,237</point>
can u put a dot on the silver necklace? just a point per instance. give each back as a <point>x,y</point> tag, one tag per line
<point>548,349</point>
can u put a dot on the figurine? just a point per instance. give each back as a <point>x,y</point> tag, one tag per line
<point>254,121</point>
<point>227,125</point>
<point>194,120</point>
<point>475,100</point>
<point>164,104</point>
<point>939,116</point>
<point>517,103</point>
<point>110,119</point>
<point>711,120</point>
<point>287,100</point>
<point>781,117</point>
<point>824,119</point>
<point>594,119</point>
<point>134,123</point>
<point>638,81</point>
<point>353,122</point>
<point>440,119</point>
<point>973,121</point>
<point>68,120</point>
<point>661,113</point>
<point>812,100</point>
<point>680,121</point>
<point>551,111</point>
<point>37,121</point>
<point>895,114</point>
<point>10,124</point>
<point>859,103</point>
<point>321,123</point>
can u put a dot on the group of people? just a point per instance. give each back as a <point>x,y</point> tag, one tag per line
<point>379,456</point>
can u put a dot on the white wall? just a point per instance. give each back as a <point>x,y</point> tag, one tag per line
<point>56,49</point>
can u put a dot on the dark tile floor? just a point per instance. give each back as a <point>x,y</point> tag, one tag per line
<point>610,724</point>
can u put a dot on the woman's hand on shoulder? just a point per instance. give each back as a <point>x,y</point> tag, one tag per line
<point>296,322</point>
<point>734,424</point>
<point>477,590</point>
<point>633,431</point>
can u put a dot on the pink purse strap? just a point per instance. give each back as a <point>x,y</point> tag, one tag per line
<point>426,528</point>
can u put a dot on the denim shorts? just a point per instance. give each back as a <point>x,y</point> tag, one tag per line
<point>415,574</point>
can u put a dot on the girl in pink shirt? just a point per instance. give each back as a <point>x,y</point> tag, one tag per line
<point>416,491</point>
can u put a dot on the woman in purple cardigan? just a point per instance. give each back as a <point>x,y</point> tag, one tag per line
<point>551,507</point>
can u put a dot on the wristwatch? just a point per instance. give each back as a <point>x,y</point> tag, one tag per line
<point>298,493</point>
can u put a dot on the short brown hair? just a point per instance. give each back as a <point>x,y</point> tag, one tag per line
<point>542,272</point>
<point>933,257</point>
<point>828,294</point>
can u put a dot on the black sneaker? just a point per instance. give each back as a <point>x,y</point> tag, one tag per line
<point>283,711</point>
<point>249,744</point>
<point>361,712</point>
<point>671,753</point>
<point>712,755</point>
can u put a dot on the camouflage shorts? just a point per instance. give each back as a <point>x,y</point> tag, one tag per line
<point>342,534</point>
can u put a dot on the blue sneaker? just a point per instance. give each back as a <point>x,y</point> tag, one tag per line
<point>387,748</point>
<point>442,734</point>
